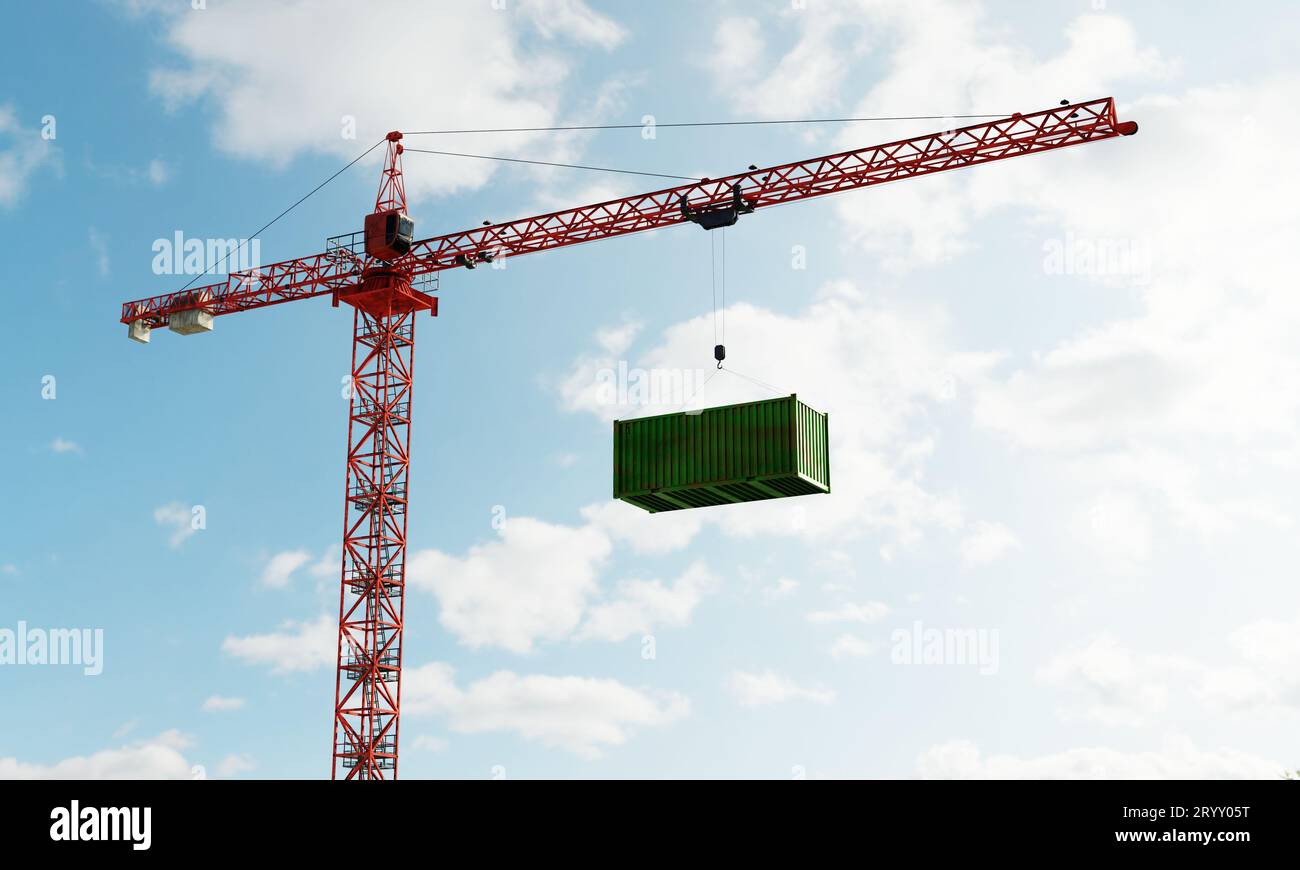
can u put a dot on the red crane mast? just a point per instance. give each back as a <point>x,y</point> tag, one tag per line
<point>379,272</point>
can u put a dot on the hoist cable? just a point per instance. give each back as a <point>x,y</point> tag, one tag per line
<point>713,281</point>
<point>724,286</point>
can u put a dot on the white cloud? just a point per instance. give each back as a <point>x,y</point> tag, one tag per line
<point>179,518</point>
<point>768,687</point>
<point>1119,686</point>
<point>638,606</point>
<point>866,613</point>
<point>651,534</point>
<point>530,584</point>
<point>572,19</point>
<point>784,587</point>
<point>22,153</point>
<point>941,55</point>
<point>1177,758</point>
<point>737,49</point>
<point>1269,676</point>
<point>280,568</point>
<point>429,743</point>
<point>157,758</point>
<point>430,688</point>
<point>1269,643</point>
<point>157,172</point>
<point>539,581</point>
<point>63,445</point>
<point>298,646</point>
<point>582,715</point>
<point>1238,689</point>
<point>987,542</point>
<point>1116,529</point>
<point>99,247</point>
<point>234,765</point>
<point>327,566</point>
<point>222,704</point>
<point>273,103</point>
<point>802,81</point>
<point>851,646</point>
<point>1115,685</point>
<point>615,340</point>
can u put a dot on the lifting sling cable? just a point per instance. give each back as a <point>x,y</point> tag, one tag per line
<point>764,384</point>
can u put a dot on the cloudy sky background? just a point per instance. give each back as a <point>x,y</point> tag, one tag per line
<point>1096,466</point>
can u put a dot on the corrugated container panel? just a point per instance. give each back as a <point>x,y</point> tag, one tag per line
<point>759,450</point>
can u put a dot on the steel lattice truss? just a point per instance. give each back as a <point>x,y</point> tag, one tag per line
<point>372,594</point>
<point>334,271</point>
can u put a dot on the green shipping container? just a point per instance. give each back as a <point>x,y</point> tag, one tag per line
<point>759,450</point>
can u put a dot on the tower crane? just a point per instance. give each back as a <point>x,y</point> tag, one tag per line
<point>383,274</point>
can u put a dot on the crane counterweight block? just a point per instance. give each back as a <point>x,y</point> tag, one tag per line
<point>192,315</point>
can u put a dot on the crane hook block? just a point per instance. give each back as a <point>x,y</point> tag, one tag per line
<point>716,217</point>
<point>719,353</point>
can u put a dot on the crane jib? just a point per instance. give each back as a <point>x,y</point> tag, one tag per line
<point>704,202</point>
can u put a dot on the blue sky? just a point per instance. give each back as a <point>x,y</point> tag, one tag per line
<point>1092,466</point>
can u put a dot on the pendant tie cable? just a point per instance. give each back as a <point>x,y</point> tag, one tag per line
<point>592,127</point>
<point>546,163</point>
<point>583,127</point>
<point>588,127</point>
<point>273,220</point>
